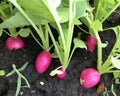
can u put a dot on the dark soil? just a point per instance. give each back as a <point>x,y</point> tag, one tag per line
<point>70,85</point>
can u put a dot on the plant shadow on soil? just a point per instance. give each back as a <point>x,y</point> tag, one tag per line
<point>45,85</point>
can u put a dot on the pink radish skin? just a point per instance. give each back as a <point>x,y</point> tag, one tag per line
<point>61,76</point>
<point>91,43</point>
<point>89,77</point>
<point>13,43</point>
<point>94,15</point>
<point>42,62</point>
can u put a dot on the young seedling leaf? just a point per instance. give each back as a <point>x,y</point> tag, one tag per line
<point>54,55</point>
<point>116,74</point>
<point>2,72</point>
<point>79,43</point>
<point>116,62</point>
<point>24,32</point>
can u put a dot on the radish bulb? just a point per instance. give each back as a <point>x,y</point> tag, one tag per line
<point>13,43</point>
<point>61,73</point>
<point>42,61</point>
<point>91,43</point>
<point>89,78</point>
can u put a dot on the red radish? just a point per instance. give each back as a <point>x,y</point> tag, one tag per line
<point>14,43</point>
<point>89,77</point>
<point>43,61</point>
<point>61,73</point>
<point>91,43</point>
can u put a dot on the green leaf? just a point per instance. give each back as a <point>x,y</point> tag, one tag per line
<point>104,8</point>
<point>14,22</point>
<point>81,7</point>
<point>37,7</point>
<point>54,55</point>
<point>24,32</point>
<point>79,43</point>
<point>5,11</point>
<point>116,74</point>
<point>116,62</point>
<point>54,3</point>
<point>63,14</point>
<point>116,47</point>
<point>42,8</point>
<point>77,22</point>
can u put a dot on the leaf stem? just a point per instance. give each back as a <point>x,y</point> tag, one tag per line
<point>19,74</point>
<point>54,43</point>
<point>56,18</point>
<point>20,69</point>
<point>99,51</point>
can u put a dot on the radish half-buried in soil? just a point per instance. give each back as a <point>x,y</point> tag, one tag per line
<point>43,61</point>
<point>89,77</point>
<point>61,74</point>
<point>13,43</point>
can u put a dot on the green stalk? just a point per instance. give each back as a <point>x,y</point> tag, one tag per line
<point>4,16</point>
<point>46,42</point>
<point>71,54</point>
<point>56,18</point>
<point>37,40</point>
<point>14,2</point>
<point>20,69</point>
<point>88,22</point>
<point>55,44</point>
<point>97,5</point>
<point>47,35</point>
<point>99,51</point>
<point>70,33</point>
<point>18,86</point>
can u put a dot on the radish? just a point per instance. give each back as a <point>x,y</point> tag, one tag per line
<point>89,77</point>
<point>61,73</point>
<point>14,43</point>
<point>42,61</point>
<point>91,43</point>
<point>94,15</point>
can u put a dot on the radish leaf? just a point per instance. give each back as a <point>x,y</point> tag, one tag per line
<point>79,43</point>
<point>116,62</point>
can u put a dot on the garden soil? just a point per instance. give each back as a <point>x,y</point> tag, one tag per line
<point>44,84</point>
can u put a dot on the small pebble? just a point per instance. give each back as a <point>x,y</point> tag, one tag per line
<point>42,83</point>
